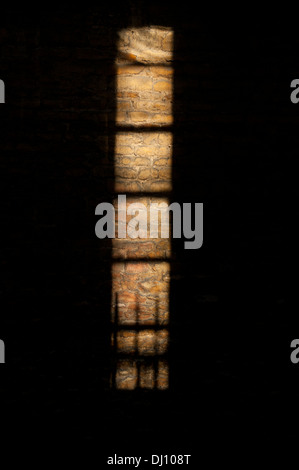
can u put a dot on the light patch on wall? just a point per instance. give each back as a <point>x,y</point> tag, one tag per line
<point>143,162</point>
<point>141,223</point>
<point>144,96</point>
<point>132,375</point>
<point>150,44</point>
<point>147,342</point>
<point>140,293</point>
<point>143,165</point>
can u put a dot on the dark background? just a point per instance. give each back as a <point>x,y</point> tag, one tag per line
<point>234,302</point>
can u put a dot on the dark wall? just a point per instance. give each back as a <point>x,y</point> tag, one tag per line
<point>234,149</point>
<point>233,302</point>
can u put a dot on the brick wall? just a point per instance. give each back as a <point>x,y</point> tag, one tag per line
<point>225,135</point>
<point>143,158</point>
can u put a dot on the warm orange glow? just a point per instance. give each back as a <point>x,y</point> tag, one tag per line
<point>143,163</point>
<point>141,293</point>
<point>146,343</point>
<point>129,376</point>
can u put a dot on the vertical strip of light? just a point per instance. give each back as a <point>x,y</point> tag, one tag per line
<point>143,163</point>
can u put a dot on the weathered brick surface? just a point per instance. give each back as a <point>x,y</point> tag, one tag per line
<point>234,147</point>
<point>143,163</point>
<point>143,97</point>
<point>129,377</point>
<point>147,45</point>
<point>141,292</point>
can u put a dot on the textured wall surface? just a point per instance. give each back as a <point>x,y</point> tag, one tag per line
<point>154,103</point>
<point>143,164</point>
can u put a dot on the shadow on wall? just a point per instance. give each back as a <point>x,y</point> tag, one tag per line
<point>140,353</point>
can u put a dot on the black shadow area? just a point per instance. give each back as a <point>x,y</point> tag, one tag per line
<point>233,305</point>
<point>234,308</point>
<point>57,143</point>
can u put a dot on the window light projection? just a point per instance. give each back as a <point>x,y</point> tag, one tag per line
<point>142,164</point>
